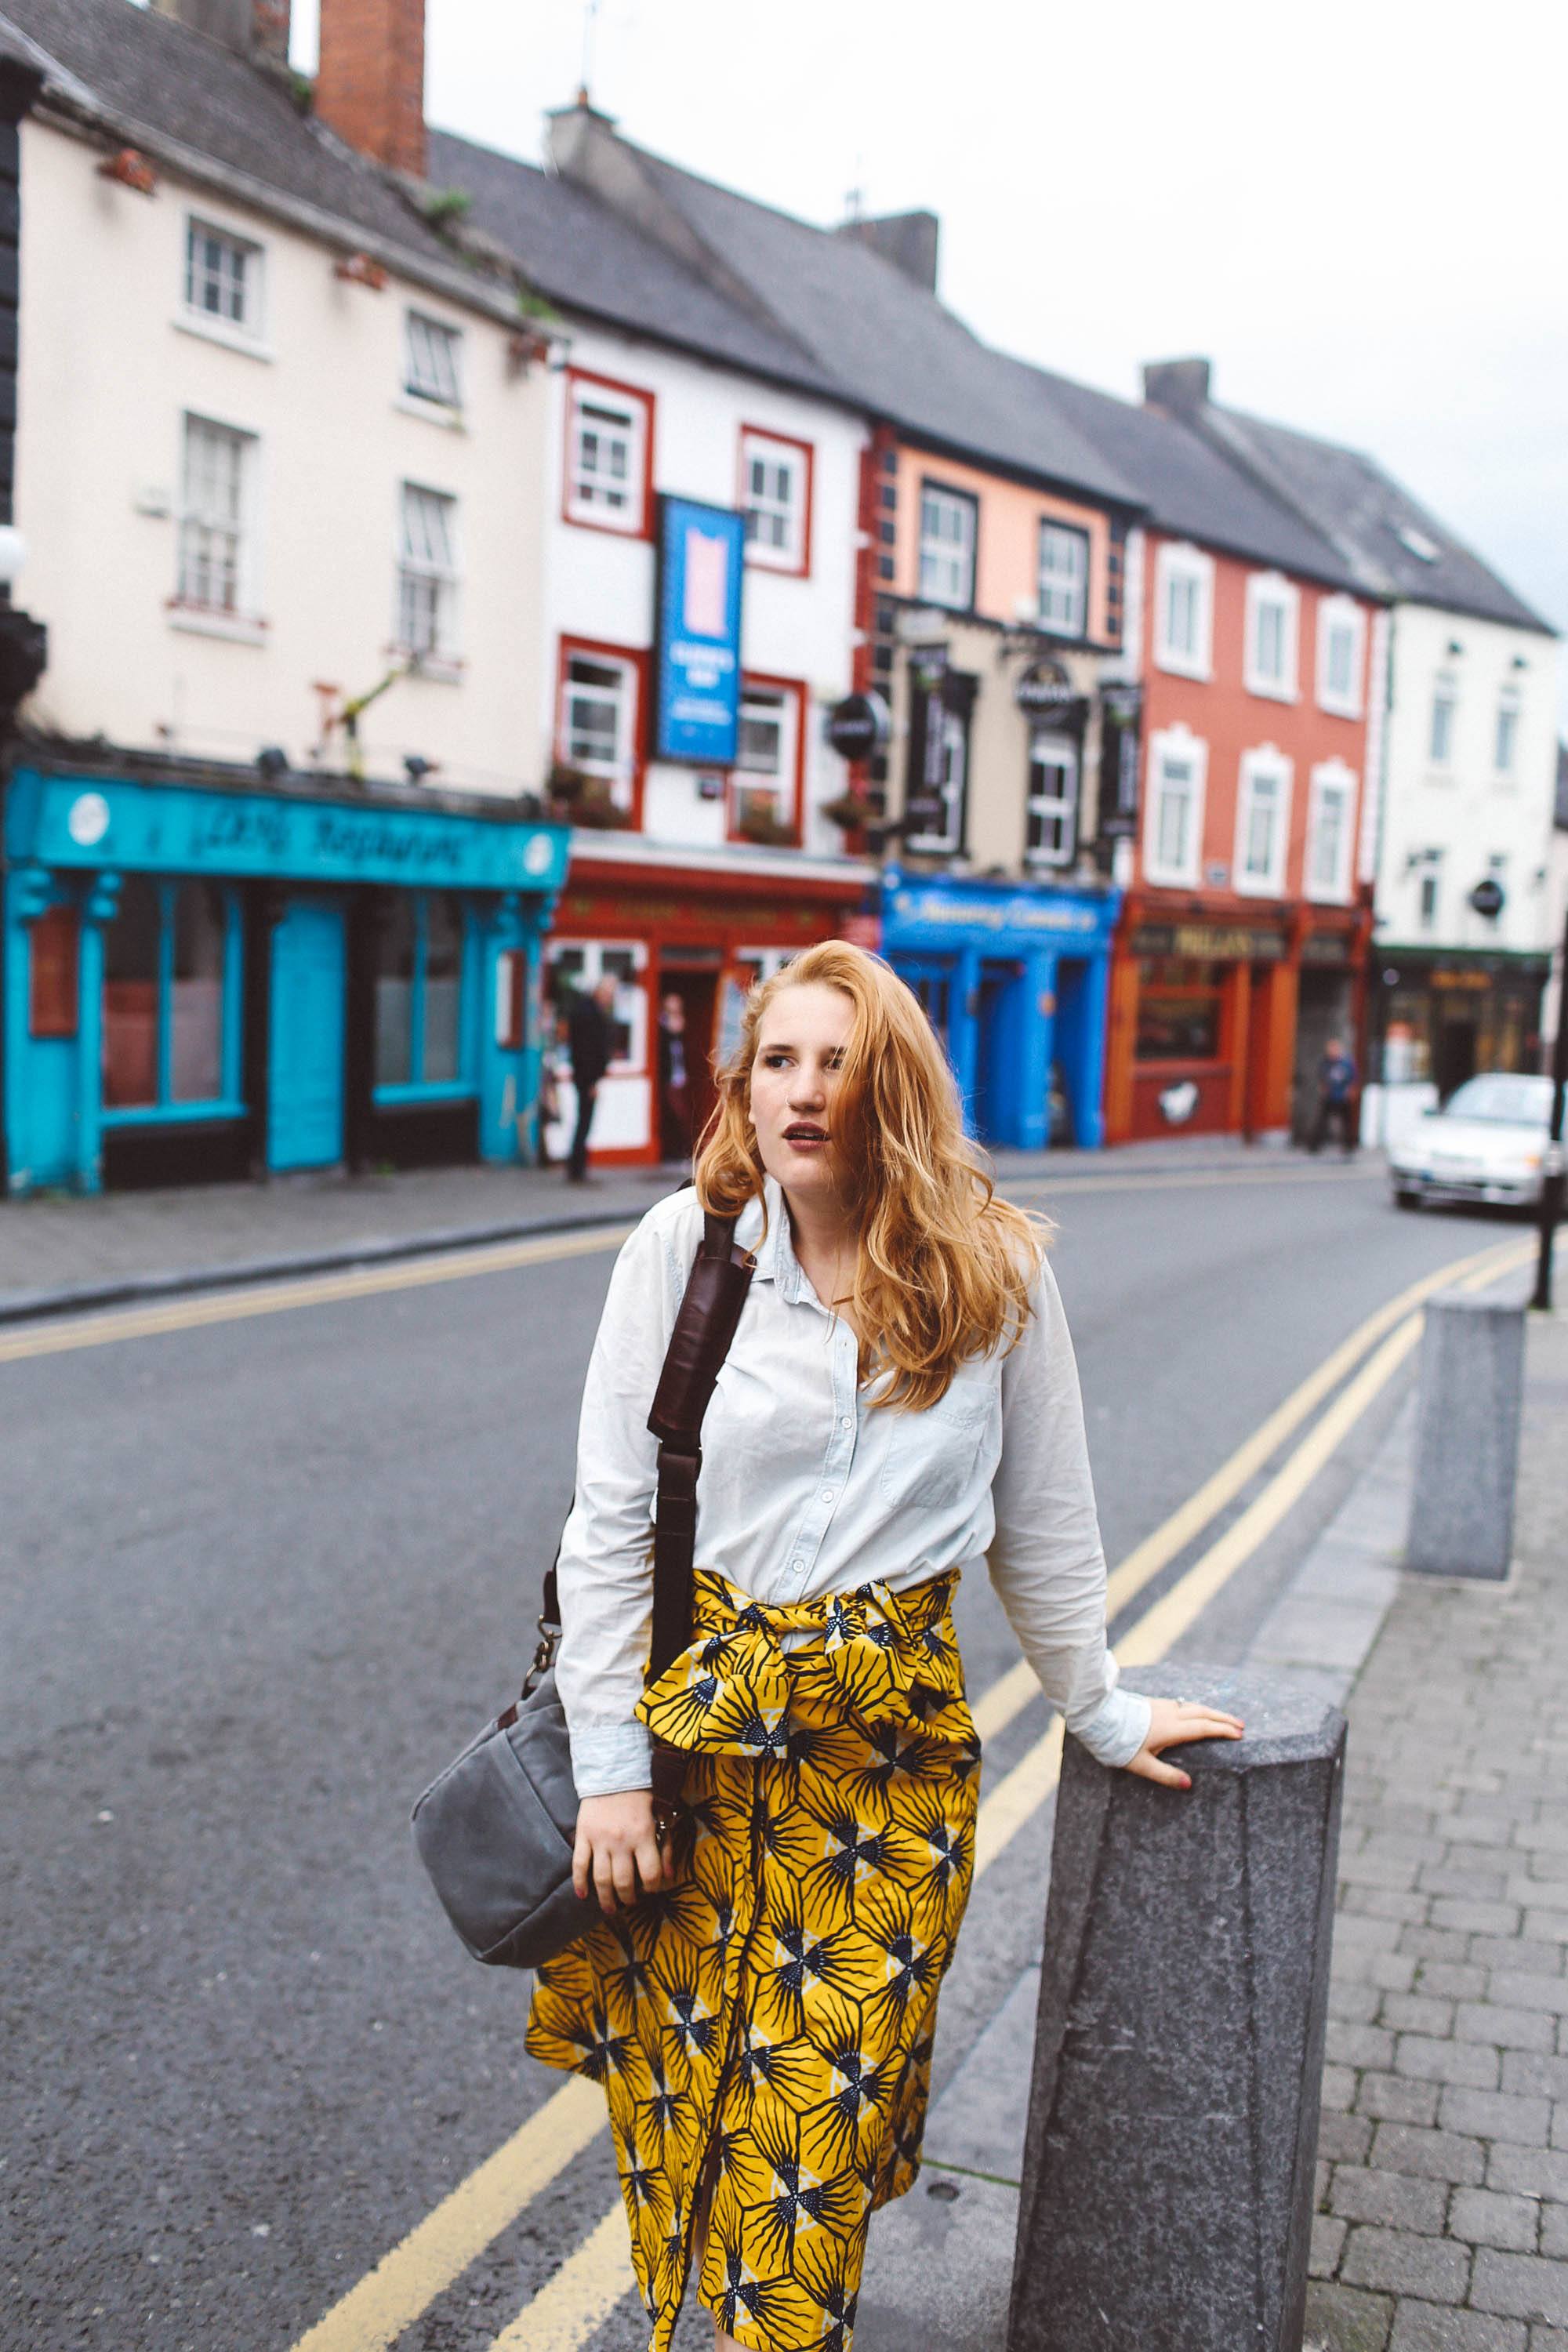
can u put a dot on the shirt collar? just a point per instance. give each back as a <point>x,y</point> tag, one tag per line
<point>777,1260</point>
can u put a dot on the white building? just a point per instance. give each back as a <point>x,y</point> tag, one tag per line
<point>686,878</point>
<point>1464,802</point>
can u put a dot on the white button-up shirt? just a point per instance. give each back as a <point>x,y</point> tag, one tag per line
<point>805,1490</point>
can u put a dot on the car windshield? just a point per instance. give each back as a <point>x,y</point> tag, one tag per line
<point>1512,1101</point>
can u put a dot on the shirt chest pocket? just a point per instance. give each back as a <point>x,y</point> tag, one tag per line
<point>932,1457</point>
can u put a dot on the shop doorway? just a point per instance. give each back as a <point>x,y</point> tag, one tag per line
<point>997,1054</point>
<point>680,1116</point>
<point>1454,1059</point>
<point>1322,1010</point>
<point>305,1035</point>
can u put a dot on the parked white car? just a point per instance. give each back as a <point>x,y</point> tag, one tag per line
<point>1488,1142</point>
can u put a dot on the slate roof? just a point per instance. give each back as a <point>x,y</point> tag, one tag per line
<point>582,255</point>
<point>153,82</point>
<point>1189,487</point>
<point>891,344</point>
<point>1365,512</point>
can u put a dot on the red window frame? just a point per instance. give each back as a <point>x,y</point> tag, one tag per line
<point>801,570</point>
<point>650,403</point>
<point>637,657</point>
<point>739,779</point>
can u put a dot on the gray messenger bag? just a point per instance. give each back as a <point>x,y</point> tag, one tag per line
<point>495,1829</point>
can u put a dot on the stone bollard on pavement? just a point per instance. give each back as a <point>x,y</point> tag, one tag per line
<point>1466,1436</point>
<point>1168,2166</point>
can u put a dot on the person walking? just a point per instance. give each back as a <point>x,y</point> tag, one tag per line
<point>674,1080</point>
<point>899,1403</point>
<point>590,1045</point>
<point>1336,1098</point>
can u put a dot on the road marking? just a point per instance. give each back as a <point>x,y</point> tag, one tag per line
<point>583,2292</point>
<point>410,2278</point>
<point>575,2312</point>
<point>102,1330</point>
<point>405,2282</point>
<point>1175,1180</point>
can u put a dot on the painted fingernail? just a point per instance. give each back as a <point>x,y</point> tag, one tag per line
<point>1186,1781</point>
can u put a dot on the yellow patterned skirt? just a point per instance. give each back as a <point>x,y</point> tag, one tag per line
<point>764,2029</point>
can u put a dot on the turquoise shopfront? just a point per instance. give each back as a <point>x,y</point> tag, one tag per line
<point>209,974</point>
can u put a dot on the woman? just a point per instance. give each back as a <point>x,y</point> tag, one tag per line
<point>900,1402</point>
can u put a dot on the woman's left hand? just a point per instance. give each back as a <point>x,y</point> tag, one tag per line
<point>1172,1723</point>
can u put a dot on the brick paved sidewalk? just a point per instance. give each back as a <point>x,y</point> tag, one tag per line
<point>1443,2219</point>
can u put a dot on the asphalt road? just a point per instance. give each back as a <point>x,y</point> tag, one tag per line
<point>259,1578</point>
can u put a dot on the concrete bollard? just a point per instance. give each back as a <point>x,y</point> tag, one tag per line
<point>1167,2192</point>
<point>1466,1436</point>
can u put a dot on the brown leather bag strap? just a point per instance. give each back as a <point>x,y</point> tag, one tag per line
<point>709,1312</point>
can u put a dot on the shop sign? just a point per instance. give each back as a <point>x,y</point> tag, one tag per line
<point>1489,898</point>
<point>859,726</point>
<point>1045,691</point>
<point>1477,980</point>
<point>1326,947</point>
<point>697,651</point>
<point>1120,711</point>
<point>1209,942</point>
<point>950,911</point>
<point>65,821</point>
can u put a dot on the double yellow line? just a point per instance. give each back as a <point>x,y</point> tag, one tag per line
<point>581,2293</point>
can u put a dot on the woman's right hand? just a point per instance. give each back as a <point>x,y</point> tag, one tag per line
<point>617,1850</point>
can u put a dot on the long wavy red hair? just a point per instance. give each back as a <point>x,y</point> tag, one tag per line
<point>944,1266</point>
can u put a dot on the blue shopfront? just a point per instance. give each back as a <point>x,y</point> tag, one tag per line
<point>1016,979</point>
<point>210,975</point>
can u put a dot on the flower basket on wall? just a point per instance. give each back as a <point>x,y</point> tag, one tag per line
<point>765,830</point>
<point>573,797</point>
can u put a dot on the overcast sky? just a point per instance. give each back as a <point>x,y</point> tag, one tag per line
<point>1354,207</point>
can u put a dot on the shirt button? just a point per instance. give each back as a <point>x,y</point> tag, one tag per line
<point>797,1567</point>
<point>827,1494</point>
<point>847,1422</point>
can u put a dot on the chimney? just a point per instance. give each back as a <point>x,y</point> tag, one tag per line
<point>908,240</point>
<point>1181,387</point>
<point>257,28</point>
<point>370,82</point>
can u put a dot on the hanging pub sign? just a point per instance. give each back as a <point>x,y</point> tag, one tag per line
<point>697,649</point>
<point>1044,692</point>
<point>859,726</point>
<point>1120,714</point>
<point>1488,898</point>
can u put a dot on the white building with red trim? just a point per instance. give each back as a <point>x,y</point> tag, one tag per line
<point>685,878</point>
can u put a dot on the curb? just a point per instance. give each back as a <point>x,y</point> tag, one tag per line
<point>39,1306</point>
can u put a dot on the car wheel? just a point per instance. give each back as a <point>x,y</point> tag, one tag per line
<point>1404,1199</point>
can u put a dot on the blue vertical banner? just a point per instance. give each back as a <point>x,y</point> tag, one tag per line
<point>696,656</point>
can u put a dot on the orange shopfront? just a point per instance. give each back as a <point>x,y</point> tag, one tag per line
<point>1206,1034</point>
<point>698,928</point>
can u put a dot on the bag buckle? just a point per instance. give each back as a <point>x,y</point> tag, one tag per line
<point>543,1657</point>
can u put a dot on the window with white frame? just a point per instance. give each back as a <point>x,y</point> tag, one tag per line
<point>607,431</point>
<point>599,720</point>
<point>1050,836</point>
<point>432,360</point>
<point>223,278</point>
<point>763,786</point>
<point>944,836</point>
<point>775,499</point>
<point>1184,611</point>
<point>1330,815</point>
<point>1064,578</point>
<point>1342,636</point>
<point>216,493</point>
<point>428,574</point>
<point>1262,822</point>
<point>1505,739</point>
<point>947,547</point>
<point>1272,607</point>
<point>1444,705</point>
<point>1174,818</point>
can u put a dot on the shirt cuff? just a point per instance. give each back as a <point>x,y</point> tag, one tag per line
<point>609,1758</point>
<point>1117,1730</point>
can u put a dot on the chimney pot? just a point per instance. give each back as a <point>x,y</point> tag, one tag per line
<point>1179,386</point>
<point>370,82</point>
<point>257,28</point>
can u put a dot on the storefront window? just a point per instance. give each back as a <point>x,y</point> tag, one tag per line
<point>419,1040</point>
<point>1179,1007</point>
<point>170,957</point>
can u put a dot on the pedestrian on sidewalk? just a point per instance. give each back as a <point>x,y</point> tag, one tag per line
<point>674,1080</point>
<point>591,1043</point>
<point>1336,1098</point>
<point>899,1404</point>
